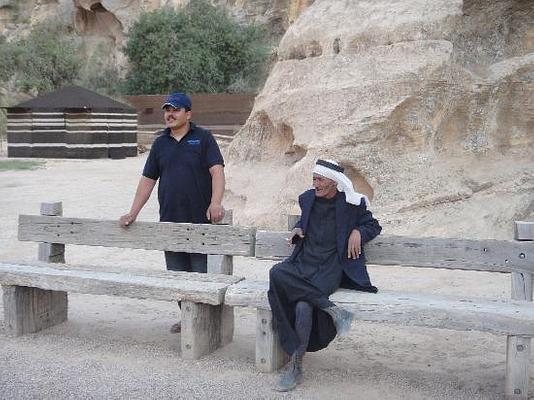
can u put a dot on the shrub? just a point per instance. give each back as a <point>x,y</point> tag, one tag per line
<point>197,49</point>
<point>8,62</point>
<point>100,73</point>
<point>42,61</point>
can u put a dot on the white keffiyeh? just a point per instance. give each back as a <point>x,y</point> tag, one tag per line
<point>343,182</point>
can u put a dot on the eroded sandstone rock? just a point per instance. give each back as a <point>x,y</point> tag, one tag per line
<point>418,98</point>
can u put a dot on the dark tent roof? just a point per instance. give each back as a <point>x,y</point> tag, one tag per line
<point>72,98</point>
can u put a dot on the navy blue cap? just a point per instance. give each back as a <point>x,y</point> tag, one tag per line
<point>178,100</point>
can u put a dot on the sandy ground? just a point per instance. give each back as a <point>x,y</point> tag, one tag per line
<point>118,348</point>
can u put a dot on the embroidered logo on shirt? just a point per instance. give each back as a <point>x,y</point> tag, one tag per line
<point>193,142</point>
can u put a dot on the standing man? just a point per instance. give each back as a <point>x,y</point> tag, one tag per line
<point>188,163</point>
<point>329,237</point>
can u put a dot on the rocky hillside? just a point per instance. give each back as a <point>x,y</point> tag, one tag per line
<point>428,103</point>
<point>107,21</point>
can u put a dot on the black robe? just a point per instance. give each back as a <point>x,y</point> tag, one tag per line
<point>313,272</point>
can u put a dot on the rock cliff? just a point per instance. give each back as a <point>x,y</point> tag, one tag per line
<point>427,103</point>
<point>108,21</point>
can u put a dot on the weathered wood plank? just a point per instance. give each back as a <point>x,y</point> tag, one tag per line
<point>29,310</point>
<point>269,354</point>
<point>413,309</point>
<point>518,347</point>
<point>51,252</point>
<point>45,307</point>
<point>201,329</point>
<point>227,325</point>
<point>521,286</point>
<point>272,245</point>
<point>164,274</point>
<point>227,219</point>
<point>478,255</point>
<point>517,368</point>
<point>524,230</point>
<point>292,220</point>
<point>195,238</point>
<point>248,293</point>
<point>170,286</point>
<point>220,264</point>
<point>53,208</point>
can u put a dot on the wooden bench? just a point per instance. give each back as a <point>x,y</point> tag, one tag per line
<point>514,317</point>
<point>35,295</point>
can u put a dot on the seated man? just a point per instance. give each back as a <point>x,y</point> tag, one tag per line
<point>328,254</point>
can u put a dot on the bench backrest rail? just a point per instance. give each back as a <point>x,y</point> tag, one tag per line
<point>449,253</point>
<point>194,238</point>
<point>480,255</point>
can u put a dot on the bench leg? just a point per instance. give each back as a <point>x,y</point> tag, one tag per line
<point>517,365</point>
<point>218,264</point>
<point>227,325</point>
<point>28,310</point>
<point>201,329</point>
<point>269,353</point>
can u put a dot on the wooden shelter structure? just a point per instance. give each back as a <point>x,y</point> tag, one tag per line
<point>72,122</point>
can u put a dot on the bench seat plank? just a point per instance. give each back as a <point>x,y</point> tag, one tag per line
<point>479,255</point>
<point>168,236</point>
<point>170,286</point>
<point>412,309</point>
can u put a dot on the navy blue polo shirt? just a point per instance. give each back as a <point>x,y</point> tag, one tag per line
<point>184,191</point>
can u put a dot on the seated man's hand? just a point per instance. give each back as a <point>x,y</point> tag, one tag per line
<point>215,212</point>
<point>295,232</point>
<point>126,220</point>
<point>355,244</point>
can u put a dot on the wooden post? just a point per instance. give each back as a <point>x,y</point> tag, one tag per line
<point>292,219</point>
<point>29,309</point>
<point>524,230</point>
<point>518,347</point>
<point>52,252</point>
<point>201,329</point>
<point>269,354</point>
<point>218,264</point>
<point>221,264</point>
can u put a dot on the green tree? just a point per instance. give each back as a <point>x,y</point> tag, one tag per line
<point>99,72</point>
<point>197,49</point>
<point>8,59</point>
<point>44,60</point>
